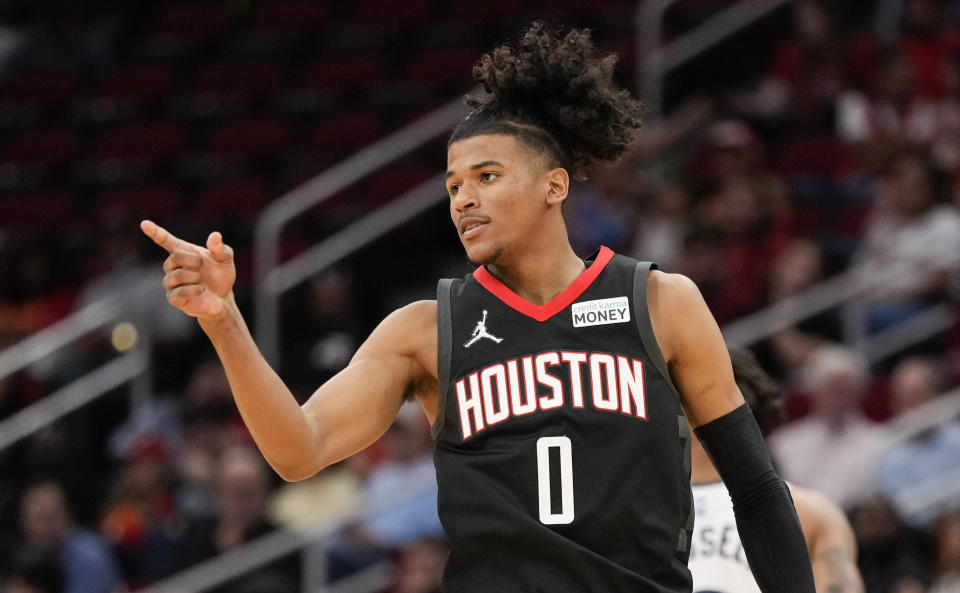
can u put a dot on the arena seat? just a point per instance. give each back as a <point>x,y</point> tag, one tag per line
<point>343,134</point>
<point>36,92</point>
<point>230,198</point>
<point>46,149</point>
<point>386,15</point>
<point>234,81</point>
<point>35,211</point>
<point>443,69</point>
<point>142,141</point>
<point>139,87</point>
<point>289,17</point>
<point>158,203</point>
<point>333,74</point>
<point>262,137</point>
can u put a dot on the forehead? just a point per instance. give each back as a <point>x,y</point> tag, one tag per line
<point>485,147</point>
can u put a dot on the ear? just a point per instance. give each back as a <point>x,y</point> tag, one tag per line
<point>558,185</point>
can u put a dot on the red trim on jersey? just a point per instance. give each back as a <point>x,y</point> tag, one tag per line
<point>554,305</point>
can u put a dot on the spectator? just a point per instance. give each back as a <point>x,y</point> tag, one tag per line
<point>805,76</point>
<point>401,498</point>
<point>210,424</point>
<point>34,571</point>
<point>911,248</point>
<point>797,267</point>
<point>948,554</point>
<point>893,114</point>
<point>917,464</point>
<point>242,484</point>
<point>139,516</point>
<point>420,566</point>
<point>661,229</point>
<point>86,560</point>
<point>893,558</point>
<point>603,210</point>
<point>834,449</point>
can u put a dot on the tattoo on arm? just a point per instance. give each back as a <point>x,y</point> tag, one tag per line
<point>836,572</point>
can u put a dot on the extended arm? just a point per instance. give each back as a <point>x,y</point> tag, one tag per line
<point>830,539</point>
<point>344,415</point>
<point>700,366</point>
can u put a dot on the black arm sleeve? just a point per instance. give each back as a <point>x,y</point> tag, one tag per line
<point>766,518</point>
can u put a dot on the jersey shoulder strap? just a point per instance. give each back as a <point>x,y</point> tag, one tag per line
<point>641,313</point>
<point>444,351</point>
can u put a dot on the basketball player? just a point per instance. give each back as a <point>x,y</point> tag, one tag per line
<point>717,561</point>
<point>562,454</point>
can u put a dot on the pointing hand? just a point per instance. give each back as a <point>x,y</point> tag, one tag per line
<point>198,279</point>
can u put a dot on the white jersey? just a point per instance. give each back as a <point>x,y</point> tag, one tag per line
<point>717,561</point>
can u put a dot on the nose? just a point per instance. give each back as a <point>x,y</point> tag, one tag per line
<point>465,199</point>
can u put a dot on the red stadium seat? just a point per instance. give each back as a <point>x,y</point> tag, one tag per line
<point>391,183</point>
<point>48,148</point>
<point>344,134</point>
<point>468,11</point>
<point>34,211</point>
<point>229,199</point>
<point>143,141</point>
<point>137,86</point>
<point>257,138</point>
<point>290,17</point>
<point>40,89</point>
<point>157,203</point>
<point>443,69</point>
<point>386,15</point>
<point>336,74</point>
<point>192,21</point>
<point>233,80</point>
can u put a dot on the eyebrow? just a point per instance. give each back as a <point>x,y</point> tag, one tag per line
<point>478,166</point>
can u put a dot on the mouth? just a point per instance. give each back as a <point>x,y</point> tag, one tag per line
<point>471,226</point>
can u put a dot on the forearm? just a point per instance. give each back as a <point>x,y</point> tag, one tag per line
<point>766,519</point>
<point>276,421</point>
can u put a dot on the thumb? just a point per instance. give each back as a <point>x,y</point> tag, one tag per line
<point>218,249</point>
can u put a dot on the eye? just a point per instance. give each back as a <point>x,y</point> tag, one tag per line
<point>488,176</point>
<point>453,189</point>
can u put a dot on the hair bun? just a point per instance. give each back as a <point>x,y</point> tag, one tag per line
<point>561,83</point>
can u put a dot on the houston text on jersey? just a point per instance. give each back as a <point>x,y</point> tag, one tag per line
<point>523,385</point>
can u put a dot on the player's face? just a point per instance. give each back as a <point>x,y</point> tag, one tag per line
<point>495,186</point>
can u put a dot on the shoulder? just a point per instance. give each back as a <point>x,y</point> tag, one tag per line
<point>409,328</point>
<point>83,544</point>
<point>672,286</point>
<point>670,299</point>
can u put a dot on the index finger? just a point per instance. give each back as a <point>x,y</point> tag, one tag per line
<point>160,235</point>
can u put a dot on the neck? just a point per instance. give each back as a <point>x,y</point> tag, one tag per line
<point>539,273</point>
<point>701,468</point>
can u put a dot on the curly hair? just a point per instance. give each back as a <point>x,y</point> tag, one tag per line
<point>555,93</point>
<point>760,391</point>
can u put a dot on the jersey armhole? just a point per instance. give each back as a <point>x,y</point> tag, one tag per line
<point>444,352</point>
<point>641,314</point>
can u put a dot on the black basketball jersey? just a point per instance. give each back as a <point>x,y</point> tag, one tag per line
<point>561,451</point>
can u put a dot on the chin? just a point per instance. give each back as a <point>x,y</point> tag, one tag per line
<point>482,255</point>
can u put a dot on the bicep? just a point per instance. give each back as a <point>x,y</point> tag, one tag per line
<point>693,348</point>
<point>355,407</point>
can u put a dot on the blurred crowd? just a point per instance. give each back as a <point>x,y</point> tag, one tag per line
<point>836,152</point>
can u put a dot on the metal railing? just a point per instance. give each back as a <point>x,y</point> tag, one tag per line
<point>131,367</point>
<point>656,62</point>
<point>267,234</point>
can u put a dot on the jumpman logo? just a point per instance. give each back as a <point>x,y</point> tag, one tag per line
<point>481,332</point>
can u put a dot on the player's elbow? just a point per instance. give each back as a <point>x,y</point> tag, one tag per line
<point>295,470</point>
<point>295,473</point>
